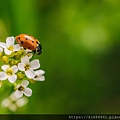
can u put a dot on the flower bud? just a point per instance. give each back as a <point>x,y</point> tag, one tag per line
<point>12,54</point>
<point>19,54</point>
<point>14,62</point>
<point>20,75</point>
<point>32,81</point>
<point>5,59</point>
<point>15,84</point>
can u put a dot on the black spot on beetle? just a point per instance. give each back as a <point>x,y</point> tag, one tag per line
<point>22,42</point>
<point>37,42</point>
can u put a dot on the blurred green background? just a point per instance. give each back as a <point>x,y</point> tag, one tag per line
<point>81,53</point>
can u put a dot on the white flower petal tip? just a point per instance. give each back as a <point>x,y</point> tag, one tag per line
<point>15,68</point>
<point>5,67</point>
<point>21,66</point>
<point>10,41</point>
<point>8,52</point>
<point>27,92</point>
<point>3,76</point>
<point>16,47</point>
<point>25,60</point>
<point>18,94</point>
<point>12,78</point>
<point>35,64</point>
<point>25,83</point>
<point>3,45</point>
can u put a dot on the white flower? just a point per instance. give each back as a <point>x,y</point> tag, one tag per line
<point>23,89</point>
<point>12,103</point>
<point>9,73</point>
<point>7,103</point>
<point>28,67</point>
<point>9,46</point>
<point>39,75</point>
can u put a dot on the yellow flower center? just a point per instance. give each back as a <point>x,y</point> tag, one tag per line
<point>21,88</point>
<point>11,48</point>
<point>9,71</point>
<point>27,67</point>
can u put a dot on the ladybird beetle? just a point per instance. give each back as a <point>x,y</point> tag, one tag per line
<point>29,42</point>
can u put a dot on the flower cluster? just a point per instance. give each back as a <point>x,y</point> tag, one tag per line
<point>12,102</point>
<point>19,70</point>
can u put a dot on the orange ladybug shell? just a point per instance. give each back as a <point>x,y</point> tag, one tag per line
<point>27,41</point>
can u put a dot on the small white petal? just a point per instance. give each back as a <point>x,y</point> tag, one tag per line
<point>8,52</point>
<point>14,68</point>
<point>16,47</point>
<point>13,97</point>
<point>25,83</point>
<point>35,64</point>
<point>13,107</point>
<point>27,92</point>
<point>25,60</point>
<point>10,41</point>
<point>30,73</point>
<point>39,72</point>
<point>18,93</point>
<point>22,101</point>
<point>1,50</point>
<point>5,67</point>
<point>5,102</point>
<point>3,45</point>
<point>12,78</point>
<point>21,66</point>
<point>3,76</point>
<point>40,78</point>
